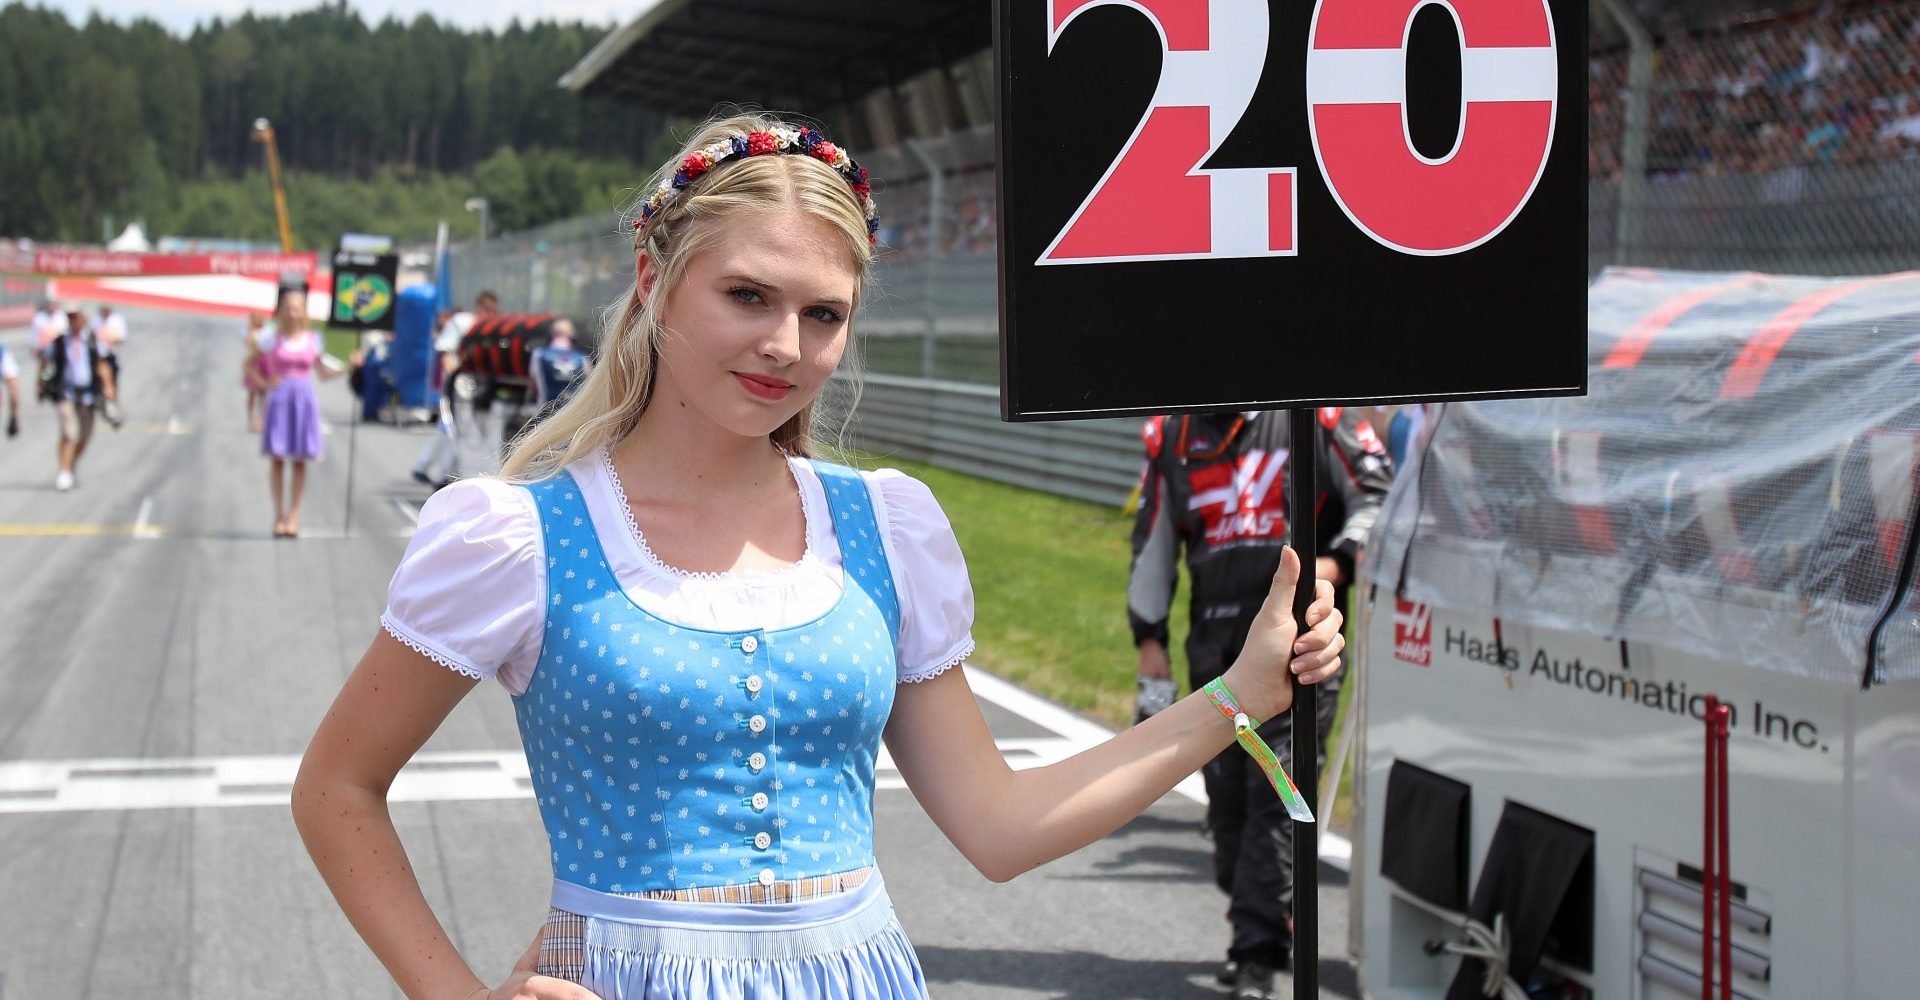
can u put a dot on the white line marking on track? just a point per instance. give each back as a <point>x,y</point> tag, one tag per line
<point>1047,715</point>
<point>199,782</point>
<point>411,512</point>
<point>175,427</point>
<point>1080,733</point>
<point>142,524</point>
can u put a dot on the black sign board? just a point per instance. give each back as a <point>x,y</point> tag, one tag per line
<point>1231,204</point>
<point>364,287</point>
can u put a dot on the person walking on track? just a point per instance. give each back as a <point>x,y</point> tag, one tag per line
<point>76,378</point>
<point>47,324</point>
<point>707,633</point>
<point>558,367</point>
<point>291,434</point>
<point>10,384</point>
<point>439,461</point>
<point>253,369</point>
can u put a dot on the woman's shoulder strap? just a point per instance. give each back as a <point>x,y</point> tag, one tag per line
<point>559,486</point>
<point>854,503</point>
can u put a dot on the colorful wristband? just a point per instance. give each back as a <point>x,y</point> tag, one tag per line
<point>1245,729</point>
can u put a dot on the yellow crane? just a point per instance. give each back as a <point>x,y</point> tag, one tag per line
<point>263,133</point>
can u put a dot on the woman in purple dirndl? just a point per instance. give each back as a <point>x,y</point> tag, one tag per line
<point>707,634</point>
<point>290,435</point>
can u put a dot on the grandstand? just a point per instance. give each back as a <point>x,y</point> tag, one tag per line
<point>1778,138</point>
<point>1782,137</point>
<point>1804,89</point>
<point>895,72</point>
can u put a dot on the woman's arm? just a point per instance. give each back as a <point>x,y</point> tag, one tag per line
<point>103,371</point>
<point>393,701</point>
<point>1007,822</point>
<point>391,704</point>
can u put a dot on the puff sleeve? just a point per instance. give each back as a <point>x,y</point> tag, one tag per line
<point>930,575</point>
<point>469,594</point>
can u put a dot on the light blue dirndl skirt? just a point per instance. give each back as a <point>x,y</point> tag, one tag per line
<point>848,946</point>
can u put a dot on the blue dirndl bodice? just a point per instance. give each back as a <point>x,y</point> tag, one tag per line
<point>668,757</point>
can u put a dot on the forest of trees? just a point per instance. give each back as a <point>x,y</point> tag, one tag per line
<point>383,128</point>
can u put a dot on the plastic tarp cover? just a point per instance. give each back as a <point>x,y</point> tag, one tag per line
<point>1738,483</point>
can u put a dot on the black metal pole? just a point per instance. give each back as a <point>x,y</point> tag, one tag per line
<point>353,441</point>
<point>1301,489</point>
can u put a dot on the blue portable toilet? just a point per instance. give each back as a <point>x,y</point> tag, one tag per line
<point>410,355</point>
<point>373,387</point>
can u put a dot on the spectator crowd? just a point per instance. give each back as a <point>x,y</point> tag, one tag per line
<point>1833,84</point>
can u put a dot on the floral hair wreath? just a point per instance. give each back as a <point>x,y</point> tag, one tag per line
<point>802,141</point>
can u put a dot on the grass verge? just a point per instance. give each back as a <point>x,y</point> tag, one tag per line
<point>341,343</point>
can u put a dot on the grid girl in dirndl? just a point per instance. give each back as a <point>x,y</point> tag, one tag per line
<point>291,434</point>
<point>707,634</point>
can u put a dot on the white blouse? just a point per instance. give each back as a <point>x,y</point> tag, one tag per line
<point>471,591</point>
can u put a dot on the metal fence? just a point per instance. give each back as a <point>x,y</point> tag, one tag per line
<point>18,289</point>
<point>957,426</point>
<point>17,293</point>
<point>574,267</point>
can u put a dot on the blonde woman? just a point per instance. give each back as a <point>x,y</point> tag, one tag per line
<point>707,634</point>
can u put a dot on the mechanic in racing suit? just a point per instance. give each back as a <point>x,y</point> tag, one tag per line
<point>1216,484</point>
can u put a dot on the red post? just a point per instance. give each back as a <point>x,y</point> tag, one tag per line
<point>1709,881</point>
<point>1722,718</point>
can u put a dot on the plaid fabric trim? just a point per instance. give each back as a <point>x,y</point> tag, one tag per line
<point>563,938</point>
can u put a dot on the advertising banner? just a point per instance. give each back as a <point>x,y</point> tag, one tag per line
<point>93,263</point>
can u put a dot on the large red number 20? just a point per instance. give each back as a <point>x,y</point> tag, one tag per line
<point>1156,203</point>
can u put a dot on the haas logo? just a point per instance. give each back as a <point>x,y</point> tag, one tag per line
<point>1243,501</point>
<point>1413,632</point>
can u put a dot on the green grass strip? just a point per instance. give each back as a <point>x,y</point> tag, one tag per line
<point>1050,596</point>
<point>1049,587</point>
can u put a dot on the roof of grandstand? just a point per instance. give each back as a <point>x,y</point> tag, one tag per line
<point>1679,18</point>
<point>680,56</point>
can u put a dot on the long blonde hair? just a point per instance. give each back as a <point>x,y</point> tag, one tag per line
<point>609,403</point>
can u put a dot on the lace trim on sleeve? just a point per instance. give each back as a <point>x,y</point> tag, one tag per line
<point>942,666</point>
<point>394,629</point>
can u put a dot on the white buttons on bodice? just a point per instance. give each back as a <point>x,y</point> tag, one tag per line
<point>758,723</point>
<point>754,683</point>
<point>761,841</point>
<point>749,644</point>
<point>758,762</point>
<point>760,802</point>
<point>766,876</point>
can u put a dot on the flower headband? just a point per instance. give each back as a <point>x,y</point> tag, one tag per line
<point>780,139</point>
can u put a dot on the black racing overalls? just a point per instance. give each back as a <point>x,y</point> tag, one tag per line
<point>1215,486</point>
